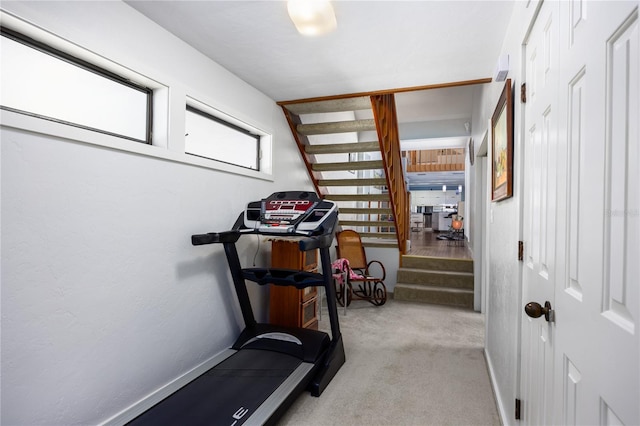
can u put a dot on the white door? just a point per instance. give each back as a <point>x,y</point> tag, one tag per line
<point>585,367</point>
<point>539,216</point>
<point>597,351</point>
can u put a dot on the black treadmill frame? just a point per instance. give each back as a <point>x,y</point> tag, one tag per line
<point>320,239</point>
<point>318,358</point>
<point>331,357</point>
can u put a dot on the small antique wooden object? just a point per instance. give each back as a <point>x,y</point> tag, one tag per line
<point>289,306</point>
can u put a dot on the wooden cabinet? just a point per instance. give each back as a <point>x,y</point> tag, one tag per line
<point>289,306</point>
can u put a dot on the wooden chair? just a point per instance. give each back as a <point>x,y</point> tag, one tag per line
<point>361,284</point>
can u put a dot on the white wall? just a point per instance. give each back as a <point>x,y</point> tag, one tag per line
<point>104,300</point>
<point>391,261</point>
<point>503,299</point>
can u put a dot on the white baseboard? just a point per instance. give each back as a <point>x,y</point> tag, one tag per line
<point>504,416</point>
<point>153,398</point>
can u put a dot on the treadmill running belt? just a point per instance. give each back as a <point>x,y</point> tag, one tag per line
<point>235,387</point>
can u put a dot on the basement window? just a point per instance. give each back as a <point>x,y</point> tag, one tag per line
<point>213,135</point>
<point>41,81</point>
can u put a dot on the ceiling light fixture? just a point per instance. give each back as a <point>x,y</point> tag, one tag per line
<point>312,17</point>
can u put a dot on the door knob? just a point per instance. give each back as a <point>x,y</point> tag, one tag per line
<point>534,310</point>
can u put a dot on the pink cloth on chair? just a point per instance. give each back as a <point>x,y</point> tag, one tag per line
<point>339,267</point>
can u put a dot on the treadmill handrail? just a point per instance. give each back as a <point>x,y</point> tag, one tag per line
<point>283,277</point>
<point>215,237</point>
<point>323,236</point>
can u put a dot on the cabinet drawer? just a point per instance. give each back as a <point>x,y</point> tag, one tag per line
<point>308,314</point>
<point>308,294</point>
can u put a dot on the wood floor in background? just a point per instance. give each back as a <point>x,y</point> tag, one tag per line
<point>425,243</point>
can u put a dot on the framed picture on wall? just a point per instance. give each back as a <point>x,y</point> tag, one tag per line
<point>502,146</point>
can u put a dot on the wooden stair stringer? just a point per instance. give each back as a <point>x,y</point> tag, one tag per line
<point>369,214</point>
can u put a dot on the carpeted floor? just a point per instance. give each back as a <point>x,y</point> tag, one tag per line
<point>407,364</point>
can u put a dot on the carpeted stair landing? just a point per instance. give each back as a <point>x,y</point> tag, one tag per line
<point>436,280</point>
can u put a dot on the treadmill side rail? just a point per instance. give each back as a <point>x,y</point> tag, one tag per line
<point>289,387</point>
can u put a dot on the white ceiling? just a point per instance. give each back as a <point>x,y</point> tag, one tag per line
<point>378,45</point>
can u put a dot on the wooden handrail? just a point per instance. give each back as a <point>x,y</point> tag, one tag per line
<point>388,91</point>
<point>385,116</point>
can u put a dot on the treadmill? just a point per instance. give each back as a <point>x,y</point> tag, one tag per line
<point>268,366</point>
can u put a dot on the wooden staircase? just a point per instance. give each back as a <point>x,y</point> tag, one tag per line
<point>435,280</point>
<point>351,149</point>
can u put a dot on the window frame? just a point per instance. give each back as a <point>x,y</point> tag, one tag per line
<point>87,66</point>
<point>170,95</point>
<point>243,130</point>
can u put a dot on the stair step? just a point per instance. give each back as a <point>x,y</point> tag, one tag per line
<point>379,223</point>
<point>333,105</point>
<point>353,182</point>
<point>365,211</point>
<point>434,295</point>
<point>381,244</point>
<point>437,263</point>
<point>336,127</point>
<point>421,277</point>
<point>379,235</point>
<point>357,197</point>
<point>349,165</point>
<point>342,148</point>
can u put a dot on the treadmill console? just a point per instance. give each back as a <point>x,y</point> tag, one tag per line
<point>291,212</point>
